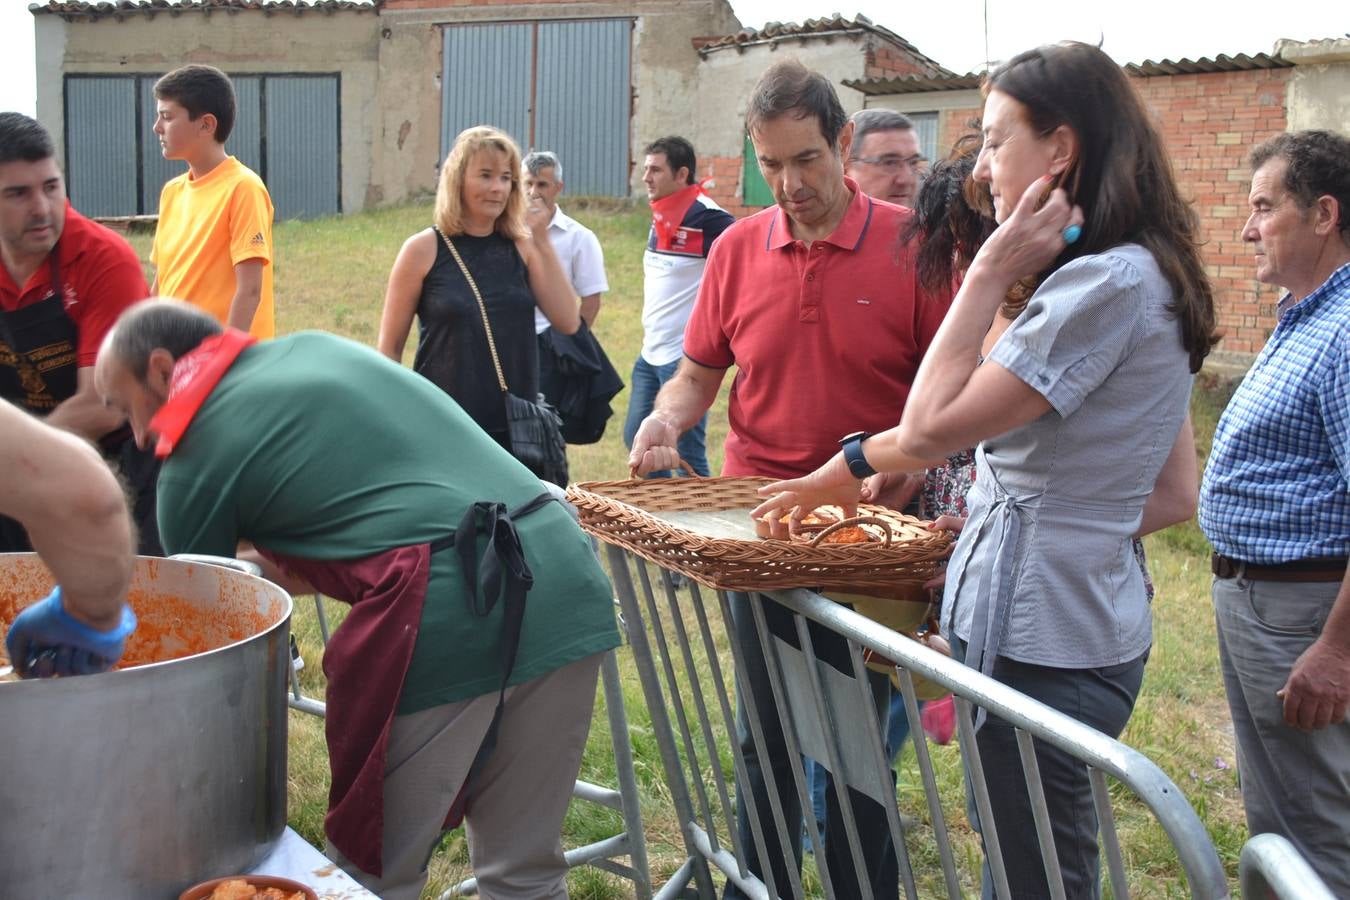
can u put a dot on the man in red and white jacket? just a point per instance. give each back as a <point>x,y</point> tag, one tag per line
<point>685,223</point>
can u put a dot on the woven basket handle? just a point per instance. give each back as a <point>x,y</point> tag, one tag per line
<point>682,466</point>
<point>848,523</point>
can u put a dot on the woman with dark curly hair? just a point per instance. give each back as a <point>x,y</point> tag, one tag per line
<point>949,227</point>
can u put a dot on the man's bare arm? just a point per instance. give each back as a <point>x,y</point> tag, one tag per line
<point>590,309</point>
<point>84,413</point>
<point>682,402</point>
<point>74,511</point>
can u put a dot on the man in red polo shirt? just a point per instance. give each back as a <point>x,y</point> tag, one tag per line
<point>817,303</point>
<point>63,283</point>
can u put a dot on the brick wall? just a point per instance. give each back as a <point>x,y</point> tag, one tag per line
<point>886,62</point>
<point>955,123</point>
<point>726,172</point>
<point>1210,122</point>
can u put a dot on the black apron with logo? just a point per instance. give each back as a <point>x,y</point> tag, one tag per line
<point>39,369</point>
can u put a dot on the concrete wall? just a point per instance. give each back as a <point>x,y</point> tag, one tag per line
<point>725,80</point>
<point>238,41</point>
<point>727,76</point>
<point>1319,90</point>
<point>407,122</point>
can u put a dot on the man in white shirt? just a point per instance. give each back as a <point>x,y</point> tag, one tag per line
<point>578,250</point>
<point>685,223</point>
<point>577,246</point>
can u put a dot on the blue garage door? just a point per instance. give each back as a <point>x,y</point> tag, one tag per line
<point>101,145</point>
<point>563,86</point>
<point>286,129</point>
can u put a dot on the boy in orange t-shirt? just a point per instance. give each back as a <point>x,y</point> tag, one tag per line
<point>213,246</point>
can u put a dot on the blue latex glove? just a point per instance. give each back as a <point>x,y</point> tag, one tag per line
<point>46,640</point>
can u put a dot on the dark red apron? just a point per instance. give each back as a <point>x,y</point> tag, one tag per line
<point>365,662</point>
<point>367,658</point>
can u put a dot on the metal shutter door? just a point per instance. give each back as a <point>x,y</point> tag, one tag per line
<point>581,102</point>
<point>485,80</point>
<point>302,145</point>
<point>101,145</point>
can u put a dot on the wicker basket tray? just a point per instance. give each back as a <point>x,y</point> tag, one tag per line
<point>630,514</point>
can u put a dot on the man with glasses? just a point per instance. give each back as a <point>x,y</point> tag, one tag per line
<point>886,161</point>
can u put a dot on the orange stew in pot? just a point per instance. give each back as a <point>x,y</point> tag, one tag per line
<point>167,627</point>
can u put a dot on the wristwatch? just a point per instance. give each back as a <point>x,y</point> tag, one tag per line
<point>853,454</point>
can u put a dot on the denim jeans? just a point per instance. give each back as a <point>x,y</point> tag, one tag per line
<point>1100,698</point>
<point>643,386</point>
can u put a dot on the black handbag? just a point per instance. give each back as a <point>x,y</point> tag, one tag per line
<point>533,427</point>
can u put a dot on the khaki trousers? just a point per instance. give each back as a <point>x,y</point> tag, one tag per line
<point>1294,783</point>
<point>516,803</point>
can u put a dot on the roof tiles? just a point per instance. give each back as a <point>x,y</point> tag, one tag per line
<point>120,9</point>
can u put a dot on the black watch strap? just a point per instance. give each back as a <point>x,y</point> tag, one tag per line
<point>853,454</point>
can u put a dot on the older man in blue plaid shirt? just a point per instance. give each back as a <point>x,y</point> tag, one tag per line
<point>1275,503</point>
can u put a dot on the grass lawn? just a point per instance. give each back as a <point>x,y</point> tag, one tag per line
<point>330,275</point>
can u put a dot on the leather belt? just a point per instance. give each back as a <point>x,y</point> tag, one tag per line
<point>1323,569</point>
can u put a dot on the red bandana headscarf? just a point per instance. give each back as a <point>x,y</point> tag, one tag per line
<point>668,212</point>
<point>195,375</point>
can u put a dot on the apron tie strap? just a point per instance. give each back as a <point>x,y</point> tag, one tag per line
<point>499,573</point>
<point>994,592</point>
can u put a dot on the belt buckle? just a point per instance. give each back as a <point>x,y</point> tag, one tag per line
<point>1225,567</point>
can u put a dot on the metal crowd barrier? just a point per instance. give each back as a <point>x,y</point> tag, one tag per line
<point>678,641</point>
<point>603,854</point>
<point>1270,866</point>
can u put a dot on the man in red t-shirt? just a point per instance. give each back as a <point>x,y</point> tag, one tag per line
<point>816,302</point>
<point>63,282</point>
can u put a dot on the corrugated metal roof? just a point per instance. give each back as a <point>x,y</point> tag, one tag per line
<point>1221,63</point>
<point>120,9</point>
<point>914,84</point>
<point>817,28</point>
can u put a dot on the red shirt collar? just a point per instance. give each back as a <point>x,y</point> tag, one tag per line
<point>195,376</point>
<point>847,235</point>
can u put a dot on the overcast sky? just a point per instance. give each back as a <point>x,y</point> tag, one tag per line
<point>949,31</point>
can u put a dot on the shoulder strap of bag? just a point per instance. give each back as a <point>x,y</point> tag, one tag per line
<point>482,307</point>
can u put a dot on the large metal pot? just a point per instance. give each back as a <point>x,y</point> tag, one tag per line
<point>139,782</point>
